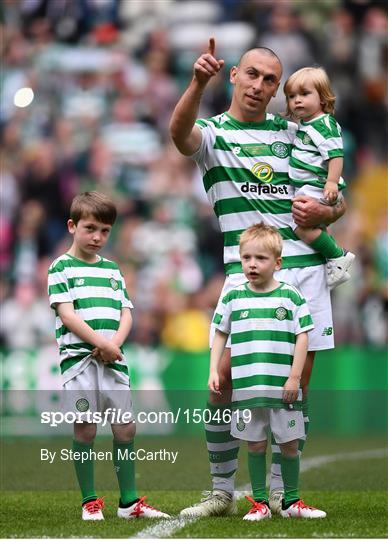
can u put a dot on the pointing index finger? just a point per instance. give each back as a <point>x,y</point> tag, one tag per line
<point>212,46</point>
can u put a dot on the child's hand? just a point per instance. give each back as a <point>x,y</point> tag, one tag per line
<point>96,354</point>
<point>214,383</point>
<point>290,390</point>
<point>330,191</point>
<point>109,352</point>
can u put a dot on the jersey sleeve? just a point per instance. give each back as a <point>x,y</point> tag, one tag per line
<point>302,318</point>
<point>58,287</point>
<point>125,301</point>
<point>222,317</point>
<point>329,139</point>
<point>207,142</point>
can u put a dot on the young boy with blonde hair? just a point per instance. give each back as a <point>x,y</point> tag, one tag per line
<point>317,159</point>
<point>268,322</point>
<point>93,319</point>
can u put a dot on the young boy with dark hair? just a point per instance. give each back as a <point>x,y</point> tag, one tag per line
<point>93,319</point>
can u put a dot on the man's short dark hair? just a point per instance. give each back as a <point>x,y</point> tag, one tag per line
<point>93,203</point>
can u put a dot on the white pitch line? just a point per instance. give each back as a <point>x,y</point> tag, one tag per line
<point>165,528</point>
<point>312,463</point>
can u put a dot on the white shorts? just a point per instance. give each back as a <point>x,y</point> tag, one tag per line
<point>311,282</point>
<point>310,191</point>
<point>97,389</point>
<point>286,425</point>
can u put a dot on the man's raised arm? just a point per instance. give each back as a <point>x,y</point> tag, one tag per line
<point>185,134</point>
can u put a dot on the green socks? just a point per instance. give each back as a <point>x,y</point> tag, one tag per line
<point>124,466</point>
<point>327,246</point>
<point>257,473</point>
<point>125,470</point>
<point>290,474</point>
<point>85,471</point>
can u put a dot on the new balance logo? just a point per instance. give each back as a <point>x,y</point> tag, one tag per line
<point>244,314</point>
<point>291,423</point>
<point>79,281</point>
<point>327,331</point>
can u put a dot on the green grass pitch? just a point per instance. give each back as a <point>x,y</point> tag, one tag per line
<point>39,501</point>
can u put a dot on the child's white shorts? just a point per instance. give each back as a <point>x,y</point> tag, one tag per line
<point>98,389</point>
<point>311,282</point>
<point>286,425</point>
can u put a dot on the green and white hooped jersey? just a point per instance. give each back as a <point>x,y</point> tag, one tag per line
<point>245,173</point>
<point>263,329</point>
<point>315,143</point>
<point>98,294</point>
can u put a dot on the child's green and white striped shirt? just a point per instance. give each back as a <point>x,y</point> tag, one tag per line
<point>97,292</point>
<point>263,329</point>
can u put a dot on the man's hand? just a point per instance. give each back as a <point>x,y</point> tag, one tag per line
<point>309,212</point>
<point>207,65</point>
<point>290,390</point>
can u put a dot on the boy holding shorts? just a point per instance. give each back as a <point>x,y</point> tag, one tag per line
<point>93,319</point>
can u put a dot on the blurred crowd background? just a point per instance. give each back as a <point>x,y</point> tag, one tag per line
<point>106,75</point>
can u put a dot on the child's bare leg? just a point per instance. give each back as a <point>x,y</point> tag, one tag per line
<point>257,447</point>
<point>307,234</point>
<point>124,432</point>
<point>321,241</point>
<point>85,432</point>
<point>289,449</point>
<point>124,461</point>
